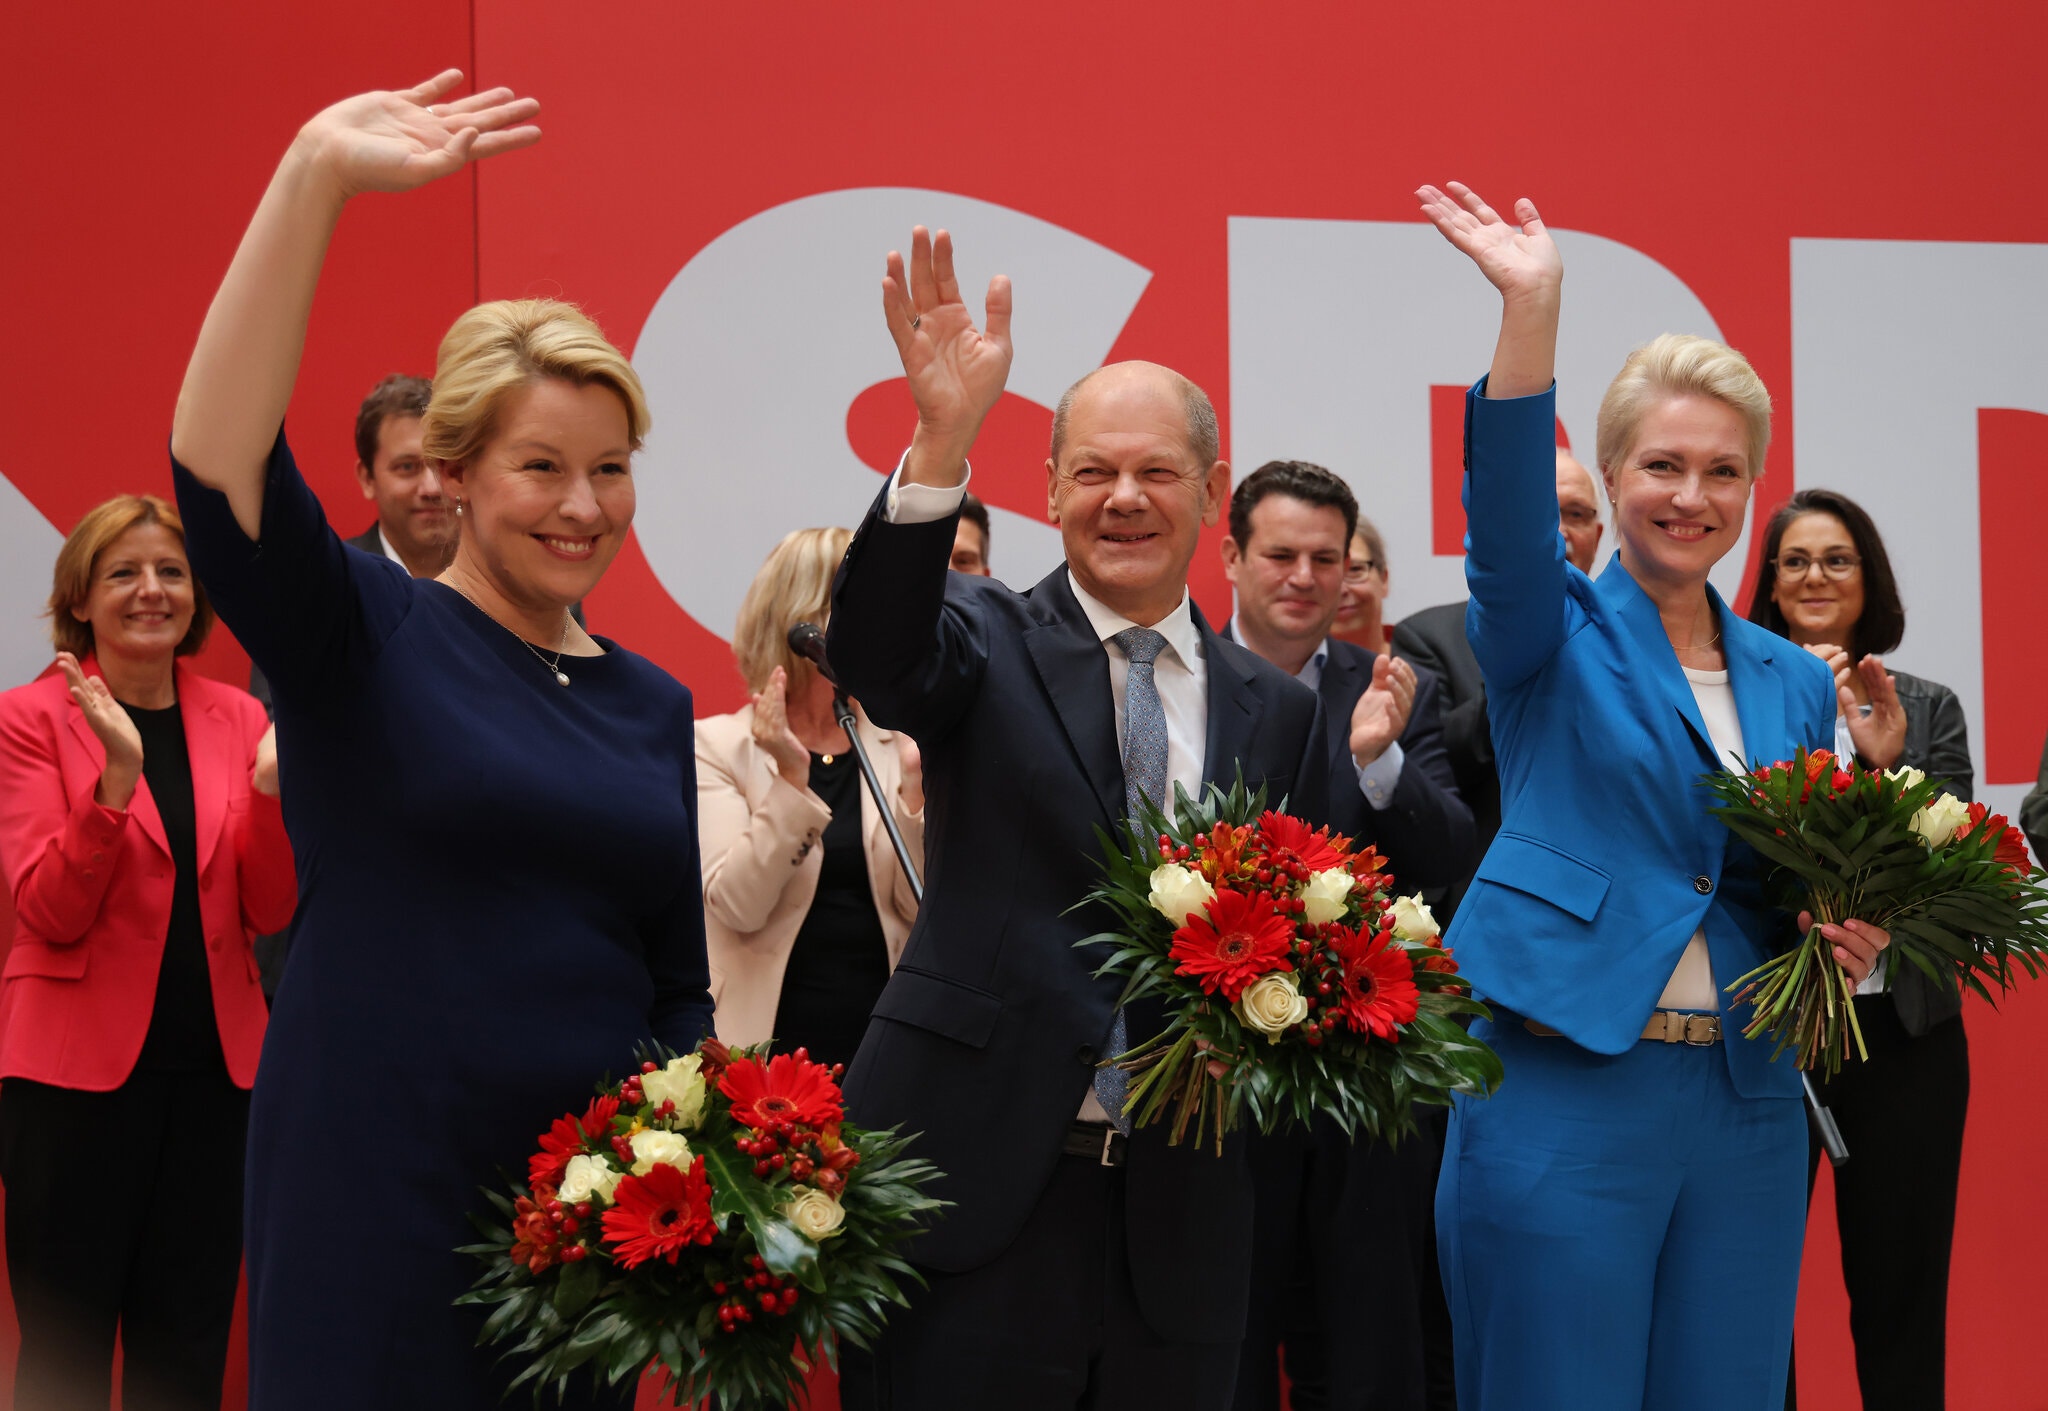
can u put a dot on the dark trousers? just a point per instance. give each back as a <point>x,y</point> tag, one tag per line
<point>1345,1275</point>
<point>1901,1116</point>
<point>124,1210</point>
<point>1051,1323</point>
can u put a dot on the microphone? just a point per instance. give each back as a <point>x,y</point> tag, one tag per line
<point>809,643</point>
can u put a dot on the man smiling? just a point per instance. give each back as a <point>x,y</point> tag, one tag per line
<point>1082,1265</point>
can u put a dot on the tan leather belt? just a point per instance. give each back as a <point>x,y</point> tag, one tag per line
<point>1670,1025</point>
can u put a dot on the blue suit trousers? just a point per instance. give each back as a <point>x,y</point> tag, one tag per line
<point>1620,1233</point>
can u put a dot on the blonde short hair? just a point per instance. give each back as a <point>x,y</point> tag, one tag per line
<point>71,584</point>
<point>495,349</point>
<point>1680,365</point>
<point>794,585</point>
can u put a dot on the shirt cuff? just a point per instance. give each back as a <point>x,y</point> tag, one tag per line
<point>922,504</point>
<point>1378,780</point>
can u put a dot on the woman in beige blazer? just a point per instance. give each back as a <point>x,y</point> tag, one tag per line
<point>805,907</point>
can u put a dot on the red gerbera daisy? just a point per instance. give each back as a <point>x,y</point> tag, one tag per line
<point>1316,850</point>
<point>560,1142</point>
<point>788,1090</point>
<point>1241,938</point>
<point>659,1214</point>
<point>1378,987</point>
<point>2012,843</point>
<point>597,1117</point>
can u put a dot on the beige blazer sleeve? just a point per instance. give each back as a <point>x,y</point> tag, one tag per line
<point>762,853</point>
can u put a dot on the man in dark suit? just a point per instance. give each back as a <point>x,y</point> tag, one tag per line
<point>1080,1266</point>
<point>1434,639</point>
<point>1326,1205</point>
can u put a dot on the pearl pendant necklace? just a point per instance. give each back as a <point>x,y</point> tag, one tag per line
<point>554,667</point>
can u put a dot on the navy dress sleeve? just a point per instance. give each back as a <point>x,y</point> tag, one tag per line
<point>308,609</point>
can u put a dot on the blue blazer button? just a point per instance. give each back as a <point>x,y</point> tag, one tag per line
<point>1703,884</point>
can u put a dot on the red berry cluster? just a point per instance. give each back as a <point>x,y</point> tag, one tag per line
<point>545,1230</point>
<point>770,1294</point>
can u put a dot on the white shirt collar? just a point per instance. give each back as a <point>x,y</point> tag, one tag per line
<point>1177,627</point>
<point>384,542</point>
<point>1311,670</point>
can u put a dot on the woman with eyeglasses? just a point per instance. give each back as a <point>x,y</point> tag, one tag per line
<point>1362,603</point>
<point>1828,585</point>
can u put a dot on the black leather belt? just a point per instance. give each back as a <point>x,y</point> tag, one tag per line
<point>1098,1141</point>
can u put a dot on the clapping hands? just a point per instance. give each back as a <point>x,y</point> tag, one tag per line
<point>1382,712</point>
<point>116,732</point>
<point>1880,736</point>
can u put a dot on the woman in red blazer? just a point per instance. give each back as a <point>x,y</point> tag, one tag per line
<point>142,844</point>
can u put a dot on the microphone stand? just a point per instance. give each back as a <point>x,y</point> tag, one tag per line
<point>842,711</point>
<point>1824,1124</point>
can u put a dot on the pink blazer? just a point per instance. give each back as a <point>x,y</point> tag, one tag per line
<point>92,886</point>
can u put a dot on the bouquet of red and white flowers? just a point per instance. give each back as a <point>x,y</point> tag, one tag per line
<point>1950,881</point>
<point>712,1213</point>
<point>1293,982</point>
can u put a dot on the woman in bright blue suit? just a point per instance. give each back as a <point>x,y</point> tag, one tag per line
<point>1620,1224</point>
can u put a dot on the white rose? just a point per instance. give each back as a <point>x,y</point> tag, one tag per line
<point>1412,921</point>
<point>815,1214</point>
<point>1905,776</point>
<point>1937,822</point>
<point>1272,1005</point>
<point>654,1147</point>
<point>588,1178</point>
<point>680,1083</point>
<point>1179,892</point>
<point>1325,895</point>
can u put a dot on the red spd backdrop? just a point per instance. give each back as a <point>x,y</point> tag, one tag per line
<point>1851,200</point>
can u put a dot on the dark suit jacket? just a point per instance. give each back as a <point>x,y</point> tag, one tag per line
<point>1434,640</point>
<point>986,1038</point>
<point>1937,742</point>
<point>1425,832</point>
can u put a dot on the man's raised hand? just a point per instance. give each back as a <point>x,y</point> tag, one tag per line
<point>956,371</point>
<point>398,140</point>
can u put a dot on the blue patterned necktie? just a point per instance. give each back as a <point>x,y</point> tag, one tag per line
<point>1144,777</point>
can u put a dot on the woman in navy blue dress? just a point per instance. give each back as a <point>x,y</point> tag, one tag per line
<point>493,812</point>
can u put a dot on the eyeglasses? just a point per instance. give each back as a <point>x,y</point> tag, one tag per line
<point>1793,567</point>
<point>1358,570</point>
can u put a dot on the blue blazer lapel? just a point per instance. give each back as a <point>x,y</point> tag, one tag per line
<point>1074,668</point>
<point>1626,598</point>
<point>1759,689</point>
<point>1233,705</point>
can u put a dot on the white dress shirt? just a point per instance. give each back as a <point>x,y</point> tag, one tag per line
<point>384,543</point>
<point>1181,671</point>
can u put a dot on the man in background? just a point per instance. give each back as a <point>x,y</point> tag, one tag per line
<point>1434,638</point>
<point>970,539</point>
<point>1329,1208</point>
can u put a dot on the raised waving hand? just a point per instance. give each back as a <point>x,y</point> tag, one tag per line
<point>956,371</point>
<point>247,358</point>
<point>110,721</point>
<point>1520,260</point>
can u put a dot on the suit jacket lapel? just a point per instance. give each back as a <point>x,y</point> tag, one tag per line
<point>215,755</point>
<point>1074,668</point>
<point>1344,681</point>
<point>1759,691</point>
<point>1233,707</point>
<point>1633,605</point>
